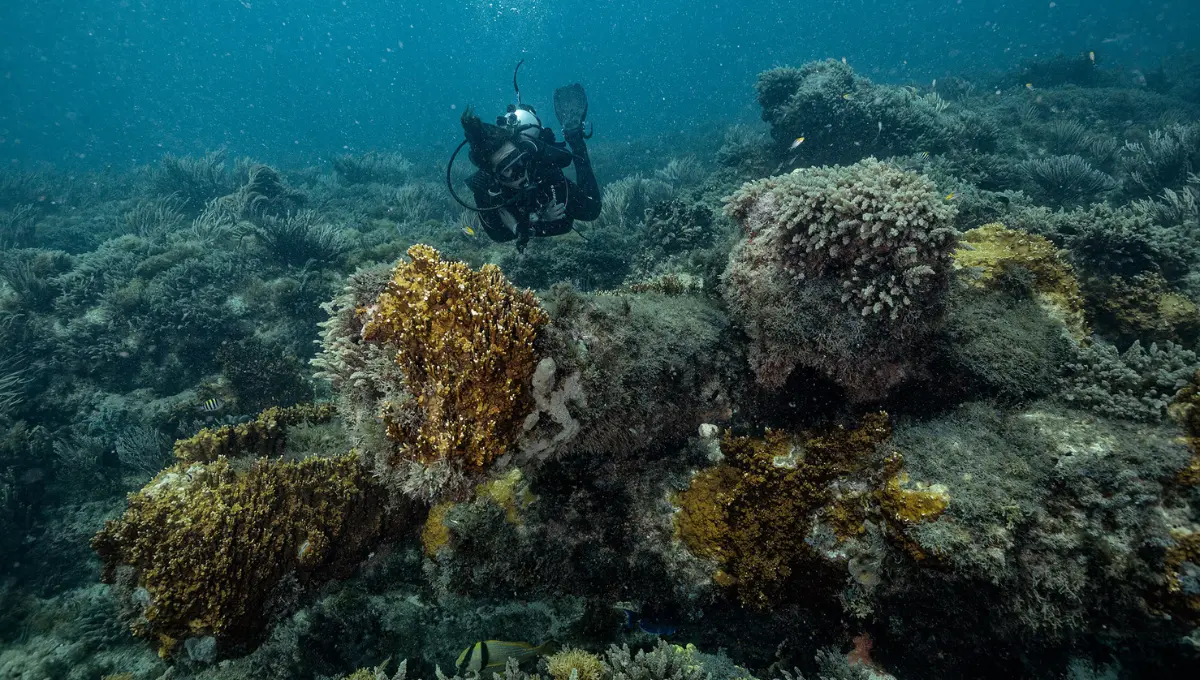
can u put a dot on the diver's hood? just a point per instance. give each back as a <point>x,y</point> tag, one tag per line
<point>485,139</point>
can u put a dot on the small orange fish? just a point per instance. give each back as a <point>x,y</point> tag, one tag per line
<point>798,142</point>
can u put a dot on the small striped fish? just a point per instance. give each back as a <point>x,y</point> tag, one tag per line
<point>496,653</point>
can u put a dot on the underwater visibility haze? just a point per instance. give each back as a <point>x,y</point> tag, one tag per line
<point>599,341</point>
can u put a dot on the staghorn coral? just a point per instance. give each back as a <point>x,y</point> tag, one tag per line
<point>202,547</point>
<point>842,269</point>
<point>265,436</point>
<point>992,252</point>
<point>464,342</point>
<point>755,513</point>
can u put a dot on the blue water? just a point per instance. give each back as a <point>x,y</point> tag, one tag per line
<point>292,81</point>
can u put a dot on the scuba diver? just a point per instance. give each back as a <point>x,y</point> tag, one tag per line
<point>520,189</point>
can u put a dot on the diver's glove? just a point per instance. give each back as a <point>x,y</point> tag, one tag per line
<point>549,213</point>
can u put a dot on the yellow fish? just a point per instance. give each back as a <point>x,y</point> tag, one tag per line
<point>845,95</point>
<point>1092,56</point>
<point>1028,86</point>
<point>950,196</point>
<point>496,653</point>
<point>466,229</point>
<point>924,155</point>
<point>798,142</point>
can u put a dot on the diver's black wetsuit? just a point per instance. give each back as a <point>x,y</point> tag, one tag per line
<point>547,185</point>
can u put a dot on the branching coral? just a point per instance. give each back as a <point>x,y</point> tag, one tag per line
<point>664,662</point>
<point>842,269</point>
<point>264,436</point>
<point>1136,385</point>
<point>755,512</point>
<point>992,252</point>
<point>1109,241</point>
<point>464,341</point>
<point>208,545</point>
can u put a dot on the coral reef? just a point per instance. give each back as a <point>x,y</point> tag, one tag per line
<point>841,269</point>
<point>465,343</point>
<point>195,180</point>
<point>264,437</point>
<point>652,445</point>
<point>1163,160</point>
<point>1137,384</point>
<point>674,226</point>
<point>757,512</point>
<point>443,356</point>
<point>635,371</point>
<point>1032,490</point>
<point>993,254</point>
<point>1105,241</point>
<point>204,547</point>
<point>843,117</point>
<point>1143,308</point>
<point>664,662</point>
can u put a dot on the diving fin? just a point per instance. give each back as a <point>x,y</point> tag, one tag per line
<point>571,106</point>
